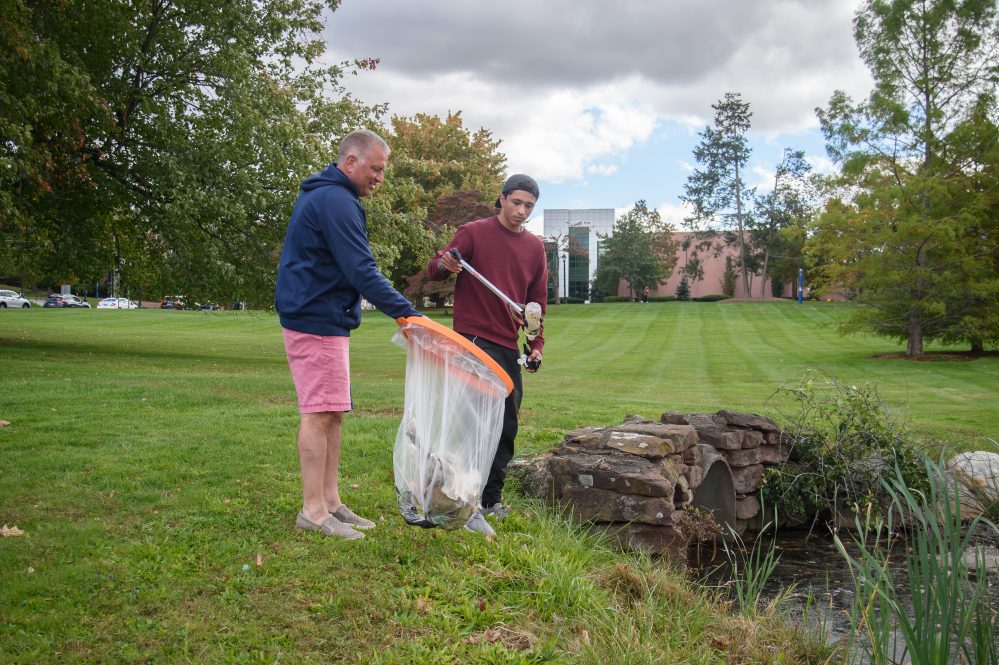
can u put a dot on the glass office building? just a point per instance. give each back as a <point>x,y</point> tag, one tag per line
<point>582,228</point>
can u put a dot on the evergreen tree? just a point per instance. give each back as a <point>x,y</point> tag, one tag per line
<point>716,190</point>
<point>683,289</point>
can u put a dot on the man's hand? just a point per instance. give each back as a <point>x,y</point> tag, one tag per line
<point>447,263</point>
<point>533,362</point>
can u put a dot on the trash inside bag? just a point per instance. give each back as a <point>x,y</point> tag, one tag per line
<point>450,426</point>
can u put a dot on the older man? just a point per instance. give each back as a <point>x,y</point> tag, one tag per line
<point>326,266</point>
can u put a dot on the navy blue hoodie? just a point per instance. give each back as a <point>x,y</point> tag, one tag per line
<point>326,263</point>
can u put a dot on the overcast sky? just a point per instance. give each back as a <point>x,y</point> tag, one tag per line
<point>602,101</point>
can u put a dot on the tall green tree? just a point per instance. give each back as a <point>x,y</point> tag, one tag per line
<point>641,251</point>
<point>903,227</point>
<point>787,205</point>
<point>715,190</point>
<point>163,139</point>
<point>432,159</point>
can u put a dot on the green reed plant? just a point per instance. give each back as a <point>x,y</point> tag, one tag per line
<point>937,608</point>
<point>752,566</point>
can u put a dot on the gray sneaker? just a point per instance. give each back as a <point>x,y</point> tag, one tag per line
<point>478,523</point>
<point>352,519</point>
<point>331,526</point>
<point>497,510</point>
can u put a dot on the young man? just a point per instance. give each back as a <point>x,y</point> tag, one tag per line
<point>325,268</point>
<point>514,261</point>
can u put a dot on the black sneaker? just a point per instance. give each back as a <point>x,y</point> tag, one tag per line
<point>497,510</point>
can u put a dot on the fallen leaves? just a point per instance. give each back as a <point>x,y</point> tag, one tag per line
<point>8,531</point>
<point>512,639</point>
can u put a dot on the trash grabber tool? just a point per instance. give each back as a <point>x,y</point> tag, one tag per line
<point>489,285</point>
<point>531,323</point>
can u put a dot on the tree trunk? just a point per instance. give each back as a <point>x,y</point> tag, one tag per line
<point>914,346</point>
<point>977,346</point>
<point>763,280</point>
<point>742,239</point>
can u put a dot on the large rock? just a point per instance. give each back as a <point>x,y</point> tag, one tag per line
<point>680,436</point>
<point>747,507</point>
<point>753,439</point>
<point>978,475</point>
<point>743,457</point>
<point>777,454</point>
<point>627,474</point>
<point>747,478</point>
<point>748,420</point>
<point>631,443</point>
<point>535,477</point>
<point>667,541</point>
<point>721,438</point>
<point>597,505</point>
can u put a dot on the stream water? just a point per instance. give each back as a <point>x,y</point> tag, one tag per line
<point>814,577</point>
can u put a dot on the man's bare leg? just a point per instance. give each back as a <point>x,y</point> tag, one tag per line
<point>315,453</point>
<point>331,481</point>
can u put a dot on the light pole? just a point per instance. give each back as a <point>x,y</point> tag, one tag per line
<point>565,274</point>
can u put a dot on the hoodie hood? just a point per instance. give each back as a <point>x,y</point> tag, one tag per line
<point>329,176</point>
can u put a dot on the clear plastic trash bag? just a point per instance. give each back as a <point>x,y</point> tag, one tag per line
<point>450,425</point>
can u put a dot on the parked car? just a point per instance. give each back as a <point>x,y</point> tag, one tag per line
<point>173,302</point>
<point>68,300</point>
<point>208,306</point>
<point>12,299</point>
<point>116,303</point>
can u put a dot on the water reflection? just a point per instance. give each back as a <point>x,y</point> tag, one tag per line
<point>814,578</point>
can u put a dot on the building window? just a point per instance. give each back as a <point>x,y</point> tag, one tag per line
<point>579,263</point>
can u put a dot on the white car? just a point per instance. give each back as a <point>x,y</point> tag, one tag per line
<point>12,299</point>
<point>117,303</point>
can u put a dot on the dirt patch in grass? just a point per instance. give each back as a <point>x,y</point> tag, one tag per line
<point>932,356</point>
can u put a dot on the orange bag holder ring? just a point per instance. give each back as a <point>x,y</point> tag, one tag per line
<point>462,342</point>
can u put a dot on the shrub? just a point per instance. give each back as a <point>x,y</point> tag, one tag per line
<point>710,298</point>
<point>662,298</point>
<point>728,279</point>
<point>683,289</point>
<point>845,443</point>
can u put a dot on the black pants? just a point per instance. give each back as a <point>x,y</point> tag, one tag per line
<point>507,359</point>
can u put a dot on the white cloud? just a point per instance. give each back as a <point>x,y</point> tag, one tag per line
<point>602,169</point>
<point>570,87</point>
<point>674,213</point>
<point>822,165</point>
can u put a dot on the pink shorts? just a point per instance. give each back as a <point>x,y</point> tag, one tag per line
<point>320,368</point>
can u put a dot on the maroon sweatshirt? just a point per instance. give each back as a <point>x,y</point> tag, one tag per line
<point>514,262</point>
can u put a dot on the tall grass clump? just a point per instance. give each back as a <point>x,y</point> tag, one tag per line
<point>752,567</point>
<point>937,610</point>
<point>844,443</point>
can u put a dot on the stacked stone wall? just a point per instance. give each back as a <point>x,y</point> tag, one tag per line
<point>636,479</point>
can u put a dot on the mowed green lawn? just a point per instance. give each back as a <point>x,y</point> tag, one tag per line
<point>150,461</point>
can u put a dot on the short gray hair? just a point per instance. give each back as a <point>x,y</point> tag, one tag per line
<point>358,142</point>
